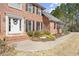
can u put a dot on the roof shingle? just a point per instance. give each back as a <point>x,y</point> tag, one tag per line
<point>52,18</point>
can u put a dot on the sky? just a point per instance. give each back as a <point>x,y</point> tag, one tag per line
<point>50,6</point>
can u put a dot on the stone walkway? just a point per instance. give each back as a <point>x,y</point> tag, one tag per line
<point>29,45</point>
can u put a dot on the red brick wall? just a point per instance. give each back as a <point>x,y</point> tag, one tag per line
<point>49,26</point>
<point>46,23</point>
<point>52,29</point>
<point>4,9</point>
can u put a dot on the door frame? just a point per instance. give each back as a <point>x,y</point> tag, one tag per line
<point>7,23</point>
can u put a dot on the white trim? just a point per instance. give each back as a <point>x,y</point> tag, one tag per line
<point>7,27</point>
<point>22,26</point>
<point>31,25</point>
<point>35,9</point>
<point>40,26</point>
<point>20,8</point>
<point>6,17</point>
<point>35,25</point>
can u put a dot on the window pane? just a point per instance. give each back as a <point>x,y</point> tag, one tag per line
<point>9,24</point>
<point>15,5</point>
<point>39,11</point>
<point>26,24</point>
<point>20,25</point>
<point>41,25</point>
<point>30,8</point>
<point>38,26</point>
<point>29,26</point>
<point>33,25</point>
<point>35,8</point>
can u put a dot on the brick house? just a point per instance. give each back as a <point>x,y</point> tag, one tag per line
<point>16,19</point>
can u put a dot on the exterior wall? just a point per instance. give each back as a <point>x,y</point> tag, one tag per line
<point>46,24</point>
<point>5,9</point>
<point>52,30</point>
<point>55,30</point>
<point>49,26</point>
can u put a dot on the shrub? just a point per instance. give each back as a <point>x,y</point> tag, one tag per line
<point>51,37</point>
<point>37,34</point>
<point>48,35</point>
<point>5,49</point>
<point>45,33</point>
<point>2,43</point>
<point>2,46</point>
<point>31,33</point>
<point>34,33</point>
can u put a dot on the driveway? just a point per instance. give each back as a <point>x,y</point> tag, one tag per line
<point>29,45</point>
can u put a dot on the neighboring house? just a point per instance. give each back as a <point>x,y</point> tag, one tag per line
<point>17,19</point>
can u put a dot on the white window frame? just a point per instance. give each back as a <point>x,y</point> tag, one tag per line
<point>35,9</point>
<point>39,11</point>
<point>10,5</point>
<point>7,27</point>
<point>30,6</point>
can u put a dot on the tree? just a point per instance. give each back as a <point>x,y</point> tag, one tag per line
<point>67,13</point>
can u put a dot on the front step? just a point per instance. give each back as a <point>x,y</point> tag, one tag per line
<point>17,38</point>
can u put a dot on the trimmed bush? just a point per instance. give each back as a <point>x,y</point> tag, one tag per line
<point>39,34</point>
<point>2,46</point>
<point>31,33</point>
<point>36,34</point>
<point>51,37</point>
<point>45,33</point>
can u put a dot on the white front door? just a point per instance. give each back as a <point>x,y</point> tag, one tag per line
<point>14,25</point>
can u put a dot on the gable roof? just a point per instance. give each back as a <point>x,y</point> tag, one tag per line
<point>52,18</point>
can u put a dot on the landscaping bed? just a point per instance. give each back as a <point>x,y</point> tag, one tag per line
<point>41,36</point>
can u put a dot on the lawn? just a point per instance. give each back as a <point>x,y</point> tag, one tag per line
<point>68,47</point>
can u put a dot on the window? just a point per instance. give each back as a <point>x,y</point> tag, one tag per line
<point>30,8</point>
<point>54,25</point>
<point>20,24</point>
<point>33,25</point>
<point>9,24</point>
<point>26,26</point>
<point>35,9</point>
<point>39,11</point>
<point>37,26</point>
<point>29,25</point>
<point>15,5</point>
<point>41,25</point>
